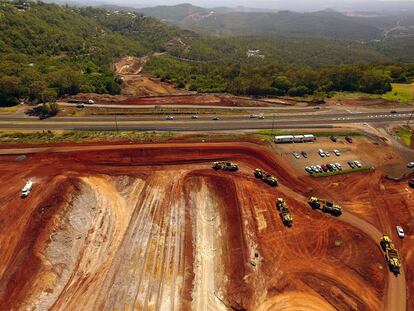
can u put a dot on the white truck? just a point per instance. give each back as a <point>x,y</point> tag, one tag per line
<point>26,189</point>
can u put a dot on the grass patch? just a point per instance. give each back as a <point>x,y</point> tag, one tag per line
<point>405,135</point>
<point>7,110</point>
<point>402,93</point>
<point>38,137</point>
<point>344,171</point>
<point>317,134</point>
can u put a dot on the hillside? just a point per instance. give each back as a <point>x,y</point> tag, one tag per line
<point>48,51</point>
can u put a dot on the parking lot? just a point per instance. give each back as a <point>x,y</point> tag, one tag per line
<point>347,151</point>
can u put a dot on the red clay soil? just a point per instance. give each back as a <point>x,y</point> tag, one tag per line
<point>154,227</point>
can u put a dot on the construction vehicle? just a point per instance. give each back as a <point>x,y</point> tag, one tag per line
<point>266,177</point>
<point>391,254</point>
<point>325,206</point>
<point>284,212</point>
<point>26,189</point>
<point>225,166</point>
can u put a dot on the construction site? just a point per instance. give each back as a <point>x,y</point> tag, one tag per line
<point>199,226</point>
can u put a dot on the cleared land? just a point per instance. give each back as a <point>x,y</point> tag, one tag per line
<point>154,227</point>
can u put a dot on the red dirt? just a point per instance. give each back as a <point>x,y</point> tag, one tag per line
<point>152,226</point>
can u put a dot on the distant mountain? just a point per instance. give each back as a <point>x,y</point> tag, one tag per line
<point>327,24</point>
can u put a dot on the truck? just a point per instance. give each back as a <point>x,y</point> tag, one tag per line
<point>225,166</point>
<point>325,206</point>
<point>26,189</point>
<point>391,255</point>
<point>284,212</point>
<point>284,139</point>
<point>266,177</point>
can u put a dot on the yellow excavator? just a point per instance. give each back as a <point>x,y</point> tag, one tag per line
<point>325,206</point>
<point>266,177</point>
<point>391,254</point>
<point>225,166</point>
<point>284,212</point>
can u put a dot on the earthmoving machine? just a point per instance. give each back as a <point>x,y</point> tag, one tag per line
<point>266,177</point>
<point>284,212</point>
<point>391,254</point>
<point>325,206</point>
<point>225,166</point>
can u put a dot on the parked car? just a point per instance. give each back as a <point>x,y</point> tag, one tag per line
<point>321,153</point>
<point>339,166</point>
<point>330,167</point>
<point>334,138</point>
<point>400,232</point>
<point>348,139</point>
<point>337,153</point>
<point>325,168</point>
<point>296,155</point>
<point>319,168</point>
<point>304,154</point>
<point>357,163</point>
<point>169,118</point>
<point>309,169</point>
<point>351,164</point>
<point>410,165</point>
<point>327,154</point>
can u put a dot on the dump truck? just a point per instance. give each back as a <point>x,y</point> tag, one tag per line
<point>391,254</point>
<point>225,166</point>
<point>325,206</point>
<point>284,212</point>
<point>266,177</point>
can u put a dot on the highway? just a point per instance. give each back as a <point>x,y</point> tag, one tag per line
<point>203,123</point>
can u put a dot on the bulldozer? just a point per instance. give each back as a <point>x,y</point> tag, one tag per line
<point>391,254</point>
<point>266,177</point>
<point>225,166</point>
<point>284,212</point>
<point>325,206</point>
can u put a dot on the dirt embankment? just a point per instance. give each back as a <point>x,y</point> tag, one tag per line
<point>153,227</point>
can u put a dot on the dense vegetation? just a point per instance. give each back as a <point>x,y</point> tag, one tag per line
<point>255,78</point>
<point>48,51</point>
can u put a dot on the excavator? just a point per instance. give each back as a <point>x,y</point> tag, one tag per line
<point>284,212</point>
<point>325,206</point>
<point>266,177</point>
<point>225,166</point>
<point>391,254</point>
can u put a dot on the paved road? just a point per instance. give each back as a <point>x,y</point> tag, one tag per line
<point>204,123</point>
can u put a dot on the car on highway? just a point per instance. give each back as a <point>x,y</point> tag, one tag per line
<point>393,111</point>
<point>348,139</point>
<point>410,165</point>
<point>254,116</point>
<point>337,153</point>
<point>91,101</point>
<point>169,118</point>
<point>261,117</point>
<point>296,155</point>
<point>80,106</point>
<point>321,153</point>
<point>334,138</point>
<point>216,118</point>
<point>400,232</point>
<point>304,154</point>
<point>358,164</point>
<point>339,166</point>
<point>194,117</point>
<point>351,164</point>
